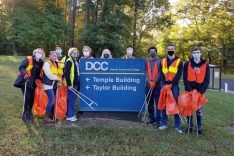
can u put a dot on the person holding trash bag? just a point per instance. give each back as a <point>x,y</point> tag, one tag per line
<point>61,61</point>
<point>170,70</point>
<point>106,54</point>
<point>50,81</point>
<point>196,75</point>
<point>153,85</point>
<point>29,71</point>
<point>87,53</point>
<point>129,54</point>
<point>72,80</point>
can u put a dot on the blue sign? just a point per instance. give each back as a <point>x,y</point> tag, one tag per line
<point>112,84</point>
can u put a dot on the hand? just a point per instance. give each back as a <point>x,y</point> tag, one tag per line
<point>152,84</point>
<point>69,87</point>
<point>26,77</point>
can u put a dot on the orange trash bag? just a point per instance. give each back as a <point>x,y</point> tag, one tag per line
<point>162,99</point>
<point>201,100</point>
<point>184,104</point>
<point>40,99</point>
<point>171,105</point>
<point>60,107</point>
<point>194,101</point>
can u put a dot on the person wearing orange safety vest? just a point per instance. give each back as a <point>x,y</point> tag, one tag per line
<point>71,75</point>
<point>129,54</point>
<point>29,70</point>
<point>196,75</point>
<point>50,79</point>
<point>171,71</point>
<point>61,61</point>
<point>153,86</point>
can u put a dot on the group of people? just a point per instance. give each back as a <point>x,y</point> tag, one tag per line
<point>166,73</point>
<point>59,69</point>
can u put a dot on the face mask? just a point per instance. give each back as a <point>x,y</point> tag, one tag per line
<point>37,55</point>
<point>59,51</point>
<point>52,58</point>
<point>152,54</point>
<point>74,55</point>
<point>85,53</point>
<point>196,56</point>
<point>170,53</point>
<point>129,51</point>
<point>106,55</point>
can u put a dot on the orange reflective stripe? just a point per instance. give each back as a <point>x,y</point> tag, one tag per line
<point>53,68</point>
<point>197,76</point>
<point>149,70</point>
<point>29,67</point>
<point>170,73</point>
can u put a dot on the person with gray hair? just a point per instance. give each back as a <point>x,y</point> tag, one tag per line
<point>29,70</point>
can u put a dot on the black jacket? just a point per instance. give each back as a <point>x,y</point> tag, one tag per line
<point>67,71</point>
<point>189,86</point>
<point>35,73</point>
<point>178,74</point>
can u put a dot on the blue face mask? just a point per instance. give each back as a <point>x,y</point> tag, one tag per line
<point>74,55</point>
<point>58,51</point>
<point>196,56</point>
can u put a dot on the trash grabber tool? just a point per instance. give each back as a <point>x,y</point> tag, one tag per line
<point>25,91</point>
<point>181,118</point>
<point>92,102</point>
<point>56,105</point>
<point>189,123</point>
<point>196,122</point>
<point>82,99</point>
<point>148,102</point>
<point>144,103</point>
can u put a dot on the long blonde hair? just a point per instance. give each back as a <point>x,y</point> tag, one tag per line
<point>35,50</point>
<point>108,51</point>
<point>71,50</point>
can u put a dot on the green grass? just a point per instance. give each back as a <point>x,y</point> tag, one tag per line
<point>227,76</point>
<point>107,137</point>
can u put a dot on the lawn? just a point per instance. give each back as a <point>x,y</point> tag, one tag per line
<point>106,136</point>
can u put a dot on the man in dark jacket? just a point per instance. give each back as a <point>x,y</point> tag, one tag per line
<point>196,75</point>
<point>30,75</point>
<point>153,83</point>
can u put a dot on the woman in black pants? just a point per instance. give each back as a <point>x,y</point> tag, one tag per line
<point>29,71</point>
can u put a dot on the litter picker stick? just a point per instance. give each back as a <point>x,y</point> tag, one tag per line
<point>196,122</point>
<point>148,102</point>
<point>56,105</point>
<point>85,96</point>
<point>83,99</point>
<point>181,118</point>
<point>144,103</point>
<point>25,91</point>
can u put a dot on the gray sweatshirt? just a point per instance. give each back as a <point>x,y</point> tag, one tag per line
<point>157,80</point>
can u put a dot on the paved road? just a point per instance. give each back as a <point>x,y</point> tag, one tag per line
<point>230,83</point>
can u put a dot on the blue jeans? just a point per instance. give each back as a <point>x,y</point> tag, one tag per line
<point>50,94</point>
<point>153,98</point>
<point>175,91</point>
<point>199,119</point>
<point>71,102</point>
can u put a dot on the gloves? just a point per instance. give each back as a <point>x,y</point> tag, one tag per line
<point>152,84</point>
<point>26,77</point>
<point>167,87</point>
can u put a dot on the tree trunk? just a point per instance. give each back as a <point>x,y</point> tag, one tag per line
<point>134,27</point>
<point>87,18</point>
<point>72,21</point>
<point>16,48</point>
<point>224,60</point>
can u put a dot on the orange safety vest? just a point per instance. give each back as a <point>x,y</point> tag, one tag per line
<point>126,56</point>
<point>170,73</point>
<point>149,70</point>
<point>61,65</point>
<point>29,67</point>
<point>197,76</point>
<point>53,68</point>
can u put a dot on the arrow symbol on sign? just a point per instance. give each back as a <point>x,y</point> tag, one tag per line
<point>87,79</point>
<point>87,87</point>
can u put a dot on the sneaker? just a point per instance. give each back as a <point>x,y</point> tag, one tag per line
<point>150,122</point>
<point>200,133</point>
<point>29,114</point>
<point>71,119</point>
<point>162,127</point>
<point>25,119</point>
<point>189,130</point>
<point>179,130</point>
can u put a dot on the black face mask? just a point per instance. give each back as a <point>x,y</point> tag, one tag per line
<point>106,55</point>
<point>152,54</point>
<point>170,53</point>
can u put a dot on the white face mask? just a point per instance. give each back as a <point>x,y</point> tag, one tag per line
<point>38,56</point>
<point>129,51</point>
<point>86,53</point>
